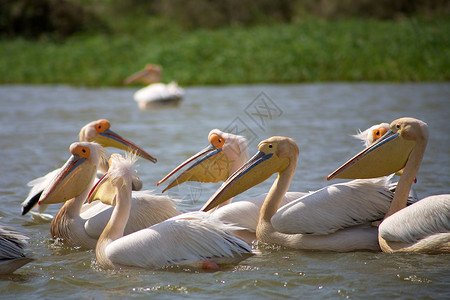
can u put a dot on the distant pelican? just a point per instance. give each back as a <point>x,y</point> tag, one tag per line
<point>78,225</point>
<point>188,239</point>
<point>97,131</point>
<point>12,255</point>
<point>421,227</point>
<point>156,94</point>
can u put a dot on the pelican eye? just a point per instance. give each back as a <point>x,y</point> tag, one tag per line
<point>216,140</point>
<point>398,126</point>
<point>270,146</point>
<point>102,126</point>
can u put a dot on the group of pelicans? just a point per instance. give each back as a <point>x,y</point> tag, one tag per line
<point>132,228</point>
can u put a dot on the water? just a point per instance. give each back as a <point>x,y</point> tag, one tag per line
<point>40,122</point>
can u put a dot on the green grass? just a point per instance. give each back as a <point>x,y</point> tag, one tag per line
<point>307,51</point>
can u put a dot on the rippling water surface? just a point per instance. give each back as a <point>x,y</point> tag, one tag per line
<point>38,123</point>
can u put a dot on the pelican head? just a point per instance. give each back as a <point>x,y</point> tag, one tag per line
<point>372,134</point>
<point>150,74</point>
<point>389,154</point>
<point>216,161</point>
<point>274,156</point>
<point>76,174</point>
<point>119,175</point>
<point>99,131</point>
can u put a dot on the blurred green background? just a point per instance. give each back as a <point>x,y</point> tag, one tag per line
<point>205,42</point>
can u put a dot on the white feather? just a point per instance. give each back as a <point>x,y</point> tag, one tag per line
<point>424,218</point>
<point>185,239</point>
<point>182,240</point>
<point>335,207</point>
<point>157,94</point>
<point>244,213</point>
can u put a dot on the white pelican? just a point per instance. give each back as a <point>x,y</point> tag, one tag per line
<point>156,94</point>
<point>97,131</point>
<point>190,238</point>
<point>79,226</point>
<point>421,227</point>
<point>226,154</point>
<point>12,255</point>
<point>333,218</point>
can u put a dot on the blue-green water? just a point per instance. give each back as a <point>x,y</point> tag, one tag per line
<point>38,123</point>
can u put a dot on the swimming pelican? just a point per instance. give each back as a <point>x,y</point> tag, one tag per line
<point>421,227</point>
<point>12,255</point>
<point>78,226</point>
<point>97,131</point>
<point>156,93</point>
<point>333,218</point>
<point>190,238</point>
<point>226,153</point>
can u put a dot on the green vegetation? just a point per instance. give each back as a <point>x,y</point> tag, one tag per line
<point>308,49</point>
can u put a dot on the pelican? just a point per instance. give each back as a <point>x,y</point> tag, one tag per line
<point>225,155</point>
<point>334,218</point>
<point>97,131</point>
<point>421,227</point>
<point>12,255</point>
<point>156,93</point>
<point>187,239</point>
<point>79,226</point>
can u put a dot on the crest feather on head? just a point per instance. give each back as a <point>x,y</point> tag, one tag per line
<point>239,140</point>
<point>366,136</point>
<point>122,167</point>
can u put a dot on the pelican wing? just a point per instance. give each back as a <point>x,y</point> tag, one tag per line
<point>335,207</point>
<point>11,244</point>
<point>422,219</point>
<point>244,213</point>
<point>37,187</point>
<point>158,91</point>
<point>97,216</point>
<point>183,240</point>
<point>12,255</point>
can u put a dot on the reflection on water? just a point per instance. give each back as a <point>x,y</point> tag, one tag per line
<point>40,122</point>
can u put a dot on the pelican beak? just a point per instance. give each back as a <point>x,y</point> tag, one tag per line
<point>388,155</point>
<point>73,178</point>
<point>136,76</point>
<point>214,166</point>
<point>109,138</point>
<point>259,168</point>
<point>104,191</point>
